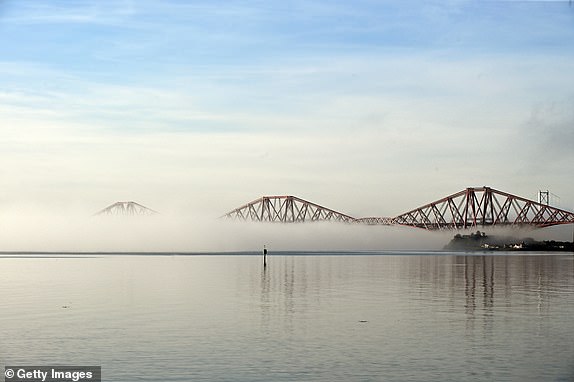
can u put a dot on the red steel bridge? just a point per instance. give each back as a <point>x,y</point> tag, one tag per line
<point>474,207</point>
<point>286,209</point>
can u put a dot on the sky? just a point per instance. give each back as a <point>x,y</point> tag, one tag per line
<point>193,108</point>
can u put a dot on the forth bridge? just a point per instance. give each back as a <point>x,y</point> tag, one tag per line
<point>473,207</point>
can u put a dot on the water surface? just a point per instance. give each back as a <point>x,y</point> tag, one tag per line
<point>363,316</point>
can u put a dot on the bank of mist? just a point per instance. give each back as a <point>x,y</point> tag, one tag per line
<point>78,232</point>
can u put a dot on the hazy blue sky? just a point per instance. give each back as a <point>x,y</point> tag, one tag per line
<point>368,107</point>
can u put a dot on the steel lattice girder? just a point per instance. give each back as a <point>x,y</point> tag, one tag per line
<point>127,208</point>
<point>285,209</point>
<point>481,207</point>
<point>375,220</point>
<point>470,208</point>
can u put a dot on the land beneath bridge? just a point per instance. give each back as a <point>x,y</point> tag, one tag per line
<point>480,241</point>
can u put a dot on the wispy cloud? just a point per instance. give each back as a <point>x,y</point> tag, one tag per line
<point>341,103</point>
<point>88,12</point>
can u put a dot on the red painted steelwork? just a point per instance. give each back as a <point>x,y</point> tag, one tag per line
<point>483,207</point>
<point>374,220</point>
<point>285,209</point>
<point>471,208</point>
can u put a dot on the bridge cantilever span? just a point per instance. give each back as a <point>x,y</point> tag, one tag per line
<point>285,209</point>
<point>126,208</point>
<point>483,207</point>
<point>470,208</point>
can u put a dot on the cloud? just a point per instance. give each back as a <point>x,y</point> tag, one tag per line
<point>371,108</point>
<point>549,129</point>
<point>360,126</point>
<point>88,12</point>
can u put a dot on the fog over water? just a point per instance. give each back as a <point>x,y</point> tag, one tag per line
<point>26,230</point>
<point>168,233</point>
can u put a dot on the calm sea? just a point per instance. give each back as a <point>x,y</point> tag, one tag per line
<point>363,316</point>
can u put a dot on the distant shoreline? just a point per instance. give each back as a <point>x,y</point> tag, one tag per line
<point>448,250</point>
<point>479,241</point>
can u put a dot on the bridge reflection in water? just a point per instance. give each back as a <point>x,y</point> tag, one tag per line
<point>495,316</point>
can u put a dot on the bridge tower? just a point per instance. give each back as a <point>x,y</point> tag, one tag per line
<point>544,197</point>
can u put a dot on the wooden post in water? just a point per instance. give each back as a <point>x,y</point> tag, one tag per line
<point>264,256</point>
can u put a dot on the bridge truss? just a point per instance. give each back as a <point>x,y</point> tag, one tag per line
<point>285,209</point>
<point>126,208</point>
<point>474,207</point>
<point>483,207</point>
<point>375,220</point>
